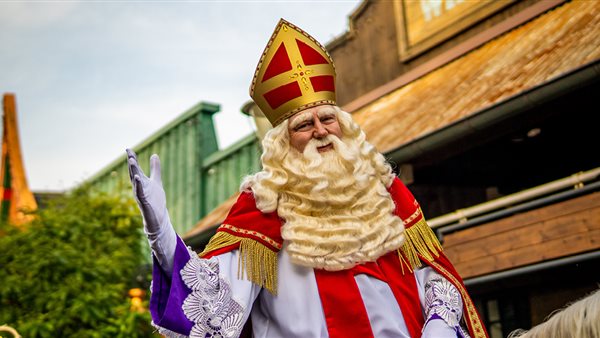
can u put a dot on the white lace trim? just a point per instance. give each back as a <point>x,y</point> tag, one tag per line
<point>444,300</point>
<point>210,306</point>
<point>167,333</point>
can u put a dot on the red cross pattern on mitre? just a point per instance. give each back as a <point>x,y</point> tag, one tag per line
<point>294,73</point>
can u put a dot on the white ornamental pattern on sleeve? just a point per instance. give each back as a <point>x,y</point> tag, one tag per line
<point>210,306</point>
<point>443,300</point>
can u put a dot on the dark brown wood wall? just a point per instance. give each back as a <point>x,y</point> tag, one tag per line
<point>558,230</point>
<point>367,56</point>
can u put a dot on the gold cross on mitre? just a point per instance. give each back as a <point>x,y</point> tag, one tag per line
<point>295,72</point>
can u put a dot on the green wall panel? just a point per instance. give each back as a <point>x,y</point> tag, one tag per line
<point>224,171</point>
<point>196,176</point>
<point>182,145</point>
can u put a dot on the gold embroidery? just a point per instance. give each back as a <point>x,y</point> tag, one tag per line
<point>412,217</point>
<point>252,233</point>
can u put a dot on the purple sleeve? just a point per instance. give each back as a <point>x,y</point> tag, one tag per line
<point>168,294</point>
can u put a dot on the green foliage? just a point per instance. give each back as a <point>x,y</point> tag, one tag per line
<point>67,274</point>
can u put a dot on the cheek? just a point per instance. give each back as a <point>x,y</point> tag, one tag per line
<point>299,141</point>
<point>336,130</point>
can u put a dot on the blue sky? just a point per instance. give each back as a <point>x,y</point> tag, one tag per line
<point>94,77</point>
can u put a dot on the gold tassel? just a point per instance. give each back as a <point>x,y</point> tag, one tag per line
<point>403,262</point>
<point>259,264</point>
<point>420,240</point>
<point>256,262</point>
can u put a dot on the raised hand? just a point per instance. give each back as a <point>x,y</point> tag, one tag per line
<point>149,193</point>
<point>150,196</point>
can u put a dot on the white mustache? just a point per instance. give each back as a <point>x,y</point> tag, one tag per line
<point>317,143</point>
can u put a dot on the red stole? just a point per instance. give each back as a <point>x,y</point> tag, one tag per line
<point>343,307</point>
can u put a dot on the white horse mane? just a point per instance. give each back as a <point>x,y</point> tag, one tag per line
<point>579,319</point>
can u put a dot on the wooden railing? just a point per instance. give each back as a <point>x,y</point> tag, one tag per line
<point>462,215</point>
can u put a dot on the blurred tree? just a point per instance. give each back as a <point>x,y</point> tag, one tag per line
<point>68,272</point>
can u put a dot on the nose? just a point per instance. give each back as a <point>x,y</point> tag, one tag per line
<point>319,131</point>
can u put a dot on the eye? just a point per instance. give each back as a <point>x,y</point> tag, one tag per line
<point>328,119</point>
<point>304,126</point>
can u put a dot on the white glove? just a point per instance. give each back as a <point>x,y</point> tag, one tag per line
<point>150,197</point>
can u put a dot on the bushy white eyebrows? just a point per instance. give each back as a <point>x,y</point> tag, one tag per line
<point>307,116</point>
<point>327,112</point>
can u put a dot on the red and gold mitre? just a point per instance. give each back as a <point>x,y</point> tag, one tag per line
<point>294,73</point>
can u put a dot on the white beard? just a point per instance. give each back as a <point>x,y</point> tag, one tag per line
<point>337,211</point>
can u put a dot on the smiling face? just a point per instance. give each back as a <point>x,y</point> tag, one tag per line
<point>314,123</point>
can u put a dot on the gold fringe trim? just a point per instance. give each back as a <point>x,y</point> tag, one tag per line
<point>259,264</point>
<point>403,262</point>
<point>256,262</point>
<point>220,240</point>
<point>420,240</point>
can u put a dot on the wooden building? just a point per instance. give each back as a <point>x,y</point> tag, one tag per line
<point>487,110</point>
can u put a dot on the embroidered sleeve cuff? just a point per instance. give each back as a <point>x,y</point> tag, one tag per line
<point>197,301</point>
<point>443,305</point>
<point>210,305</point>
